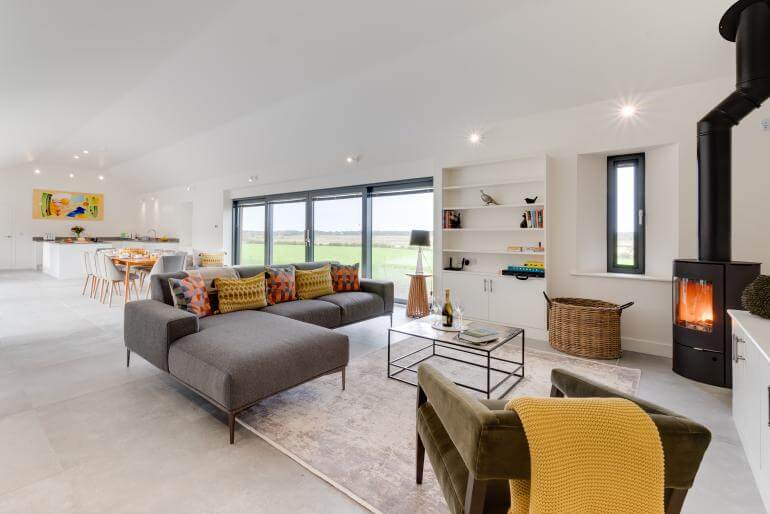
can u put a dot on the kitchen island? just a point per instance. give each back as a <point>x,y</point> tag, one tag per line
<point>64,260</point>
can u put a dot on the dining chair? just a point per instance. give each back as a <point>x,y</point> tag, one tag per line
<point>114,277</point>
<point>98,276</point>
<point>164,264</point>
<point>88,272</point>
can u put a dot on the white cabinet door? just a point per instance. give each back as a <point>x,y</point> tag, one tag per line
<point>763,385</point>
<point>519,303</point>
<point>468,291</point>
<point>6,237</point>
<point>740,383</point>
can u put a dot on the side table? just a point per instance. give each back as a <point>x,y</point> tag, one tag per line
<point>417,303</point>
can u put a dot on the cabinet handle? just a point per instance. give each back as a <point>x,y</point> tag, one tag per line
<point>485,285</point>
<point>490,285</point>
<point>738,356</point>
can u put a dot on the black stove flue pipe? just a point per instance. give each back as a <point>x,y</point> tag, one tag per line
<point>747,23</point>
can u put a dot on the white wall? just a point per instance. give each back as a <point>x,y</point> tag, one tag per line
<point>665,128</point>
<point>120,205</point>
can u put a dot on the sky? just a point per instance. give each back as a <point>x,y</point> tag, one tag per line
<point>626,215</point>
<point>400,213</point>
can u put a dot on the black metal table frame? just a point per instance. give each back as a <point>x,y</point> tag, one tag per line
<point>518,370</point>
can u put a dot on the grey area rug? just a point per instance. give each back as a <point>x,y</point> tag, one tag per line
<point>362,440</point>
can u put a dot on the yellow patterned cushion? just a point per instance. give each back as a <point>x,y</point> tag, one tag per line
<point>241,294</point>
<point>211,260</point>
<point>314,283</point>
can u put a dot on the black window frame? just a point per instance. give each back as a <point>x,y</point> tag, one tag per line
<point>614,162</point>
<point>366,191</point>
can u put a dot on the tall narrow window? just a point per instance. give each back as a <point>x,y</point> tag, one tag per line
<point>251,225</point>
<point>337,234</point>
<point>625,214</point>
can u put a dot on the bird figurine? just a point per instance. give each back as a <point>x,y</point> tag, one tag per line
<point>488,200</point>
<point>531,200</point>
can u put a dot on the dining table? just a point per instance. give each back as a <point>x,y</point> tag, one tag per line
<point>136,261</point>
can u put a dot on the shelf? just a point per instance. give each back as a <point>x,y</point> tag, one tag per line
<point>495,273</point>
<point>505,206</point>
<point>493,229</point>
<point>492,252</point>
<point>495,184</point>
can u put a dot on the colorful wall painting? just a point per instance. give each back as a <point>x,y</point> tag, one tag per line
<point>67,205</point>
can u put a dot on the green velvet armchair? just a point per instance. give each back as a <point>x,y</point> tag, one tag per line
<point>476,446</point>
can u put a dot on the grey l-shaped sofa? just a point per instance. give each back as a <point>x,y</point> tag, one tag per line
<point>234,360</point>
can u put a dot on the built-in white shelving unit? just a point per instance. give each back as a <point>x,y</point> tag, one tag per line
<point>486,235</point>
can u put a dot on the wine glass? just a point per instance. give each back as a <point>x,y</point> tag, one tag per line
<point>435,311</point>
<point>458,314</point>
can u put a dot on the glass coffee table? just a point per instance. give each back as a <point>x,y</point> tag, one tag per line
<point>443,344</point>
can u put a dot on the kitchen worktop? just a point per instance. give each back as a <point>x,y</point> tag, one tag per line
<point>108,239</point>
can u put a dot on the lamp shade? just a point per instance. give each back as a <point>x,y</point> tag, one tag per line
<point>419,238</point>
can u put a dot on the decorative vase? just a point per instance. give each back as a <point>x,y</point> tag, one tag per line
<point>756,297</point>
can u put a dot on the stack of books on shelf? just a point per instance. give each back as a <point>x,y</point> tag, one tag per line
<point>534,218</point>
<point>452,219</point>
<point>478,335</point>
<point>529,269</point>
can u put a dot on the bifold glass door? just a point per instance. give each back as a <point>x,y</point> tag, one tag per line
<point>288,236</point>
<point>337,234</point>
<point>251,249</point>
<point>367,224</point>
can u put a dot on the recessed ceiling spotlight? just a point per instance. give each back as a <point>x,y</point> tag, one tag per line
<point>37,172</point>
<point>352,159</point>
<point>101,177</point>
<point>628,111</point>
<point>152,198</point>
<point>76,156</point>
<point>253,178</point>
<point>188,188</point>
<point>72,175</point>
<point>85,152</point>
<point>475,138</point>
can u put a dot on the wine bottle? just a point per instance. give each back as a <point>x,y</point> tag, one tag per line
<point>447,315</point>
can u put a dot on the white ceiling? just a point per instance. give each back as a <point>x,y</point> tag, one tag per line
<point>169,92</point>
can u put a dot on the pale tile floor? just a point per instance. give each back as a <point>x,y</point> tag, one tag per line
<point>81,433</point>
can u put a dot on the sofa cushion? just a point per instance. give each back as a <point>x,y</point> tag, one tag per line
<point>345,278</point>
<point>281,284</point>
<point>314,283</point>
<point>241,357</point>
<point>240,294</point>
<point>356,305</point>
<point>316,312</point>
<point>189,294</point>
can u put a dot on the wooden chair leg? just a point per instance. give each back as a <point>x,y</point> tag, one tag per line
<point>85,286</point>
<point>420,461</point>
<point>475,494</point>
<point>231,426</point>
<point>112,289</point>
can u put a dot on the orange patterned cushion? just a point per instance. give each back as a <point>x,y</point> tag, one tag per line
<point>280,284</point>
<point>190,295</point>
<point>345,278</point>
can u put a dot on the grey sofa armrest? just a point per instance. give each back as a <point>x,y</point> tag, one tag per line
<point>381,288</point>
<point>151,326</point>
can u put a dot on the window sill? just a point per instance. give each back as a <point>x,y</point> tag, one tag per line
<point>622,276</point>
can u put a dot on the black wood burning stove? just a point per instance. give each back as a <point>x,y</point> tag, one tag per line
<point>705,288</point>
<point>702,292</point>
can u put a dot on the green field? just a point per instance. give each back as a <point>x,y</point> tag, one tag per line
<point>388,263</point>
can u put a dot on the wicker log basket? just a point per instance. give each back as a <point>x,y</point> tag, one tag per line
<point>586,328</point>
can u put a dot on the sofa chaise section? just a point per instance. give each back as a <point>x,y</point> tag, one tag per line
<point>239,358</point>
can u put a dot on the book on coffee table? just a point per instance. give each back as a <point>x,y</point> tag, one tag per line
<point>478,335</point>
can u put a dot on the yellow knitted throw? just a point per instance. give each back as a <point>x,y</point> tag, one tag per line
<point>588,455</point>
